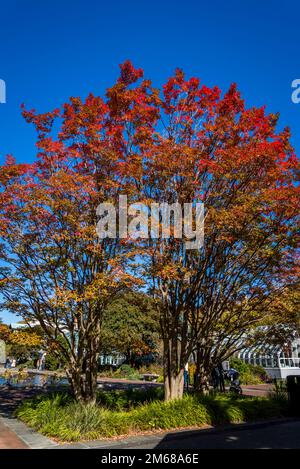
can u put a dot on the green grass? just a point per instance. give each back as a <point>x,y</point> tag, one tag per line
<point>58,416</point>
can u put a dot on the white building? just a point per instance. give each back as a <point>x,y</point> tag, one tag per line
<point>278,361</point>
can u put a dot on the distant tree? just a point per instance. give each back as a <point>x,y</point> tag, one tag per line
<point>25,338</point>
<point>281,322</point>
<point>20,343</point>
<point>131,327</point>
<point>4,332</point>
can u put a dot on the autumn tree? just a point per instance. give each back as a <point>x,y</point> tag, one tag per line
<point>56,270</point>
<point>25,338</point>
<point>210,148</point>
<point>281,321</point>
<point>276,325</point>
<point>5,332</point>
<point>184,144</point>
<point>24,344</point>
<point>20,343</point>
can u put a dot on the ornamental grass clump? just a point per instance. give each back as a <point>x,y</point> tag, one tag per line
<point>178,413</point>
<point>59,416</point>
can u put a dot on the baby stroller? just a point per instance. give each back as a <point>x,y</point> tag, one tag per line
<point>233,376</point>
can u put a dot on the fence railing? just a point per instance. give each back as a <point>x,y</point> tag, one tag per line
<point>289,362</point>
<point>272,362</point>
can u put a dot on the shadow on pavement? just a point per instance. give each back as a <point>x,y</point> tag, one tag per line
<point>282,434</point>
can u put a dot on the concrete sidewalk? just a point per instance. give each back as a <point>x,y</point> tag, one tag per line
<point>9,439</point>
<point>280,433</point>
<point>16,435</point>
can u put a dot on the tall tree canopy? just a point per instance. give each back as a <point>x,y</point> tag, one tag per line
<point>183,144</point>
<point>55,268</point>
<point>233,159</point>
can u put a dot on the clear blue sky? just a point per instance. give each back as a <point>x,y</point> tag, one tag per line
<point>59,48</point>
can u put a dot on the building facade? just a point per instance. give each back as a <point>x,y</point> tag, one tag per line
<point>278,361</point>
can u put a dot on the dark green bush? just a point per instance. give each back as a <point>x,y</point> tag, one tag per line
<point>249,374</point>
<point>53,363</point>
<point>126,371</point>
<point>126,399</point>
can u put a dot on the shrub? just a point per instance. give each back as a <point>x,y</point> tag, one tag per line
<point>83,419</point>
<point>279,392</point>
<point>126,399</point>
<point>173,414</point>
<point>126,371</point>
<point>28,364</point>
<point>51,362</point>
<point>249,377</point>
<point>59,416</point>
<point>249,374</point>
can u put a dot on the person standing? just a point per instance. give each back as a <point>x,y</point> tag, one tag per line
<point>186,376</point>
<point>221,377</point>
<point>215,378</point>
<point>7,363</point>
<point>39,361</point>
<point>43,364</point>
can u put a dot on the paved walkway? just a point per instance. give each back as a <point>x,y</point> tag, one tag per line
<point>117,383</point>
<point>260,390</point>
<point>16,432</point>
<point>13,432</point>
<point>9,439</point>
<point>274,435</point>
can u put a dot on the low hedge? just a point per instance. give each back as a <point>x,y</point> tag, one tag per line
<point>59,416</point>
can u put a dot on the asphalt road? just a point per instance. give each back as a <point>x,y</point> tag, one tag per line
<point>272,435</point>
<point>284,435</point>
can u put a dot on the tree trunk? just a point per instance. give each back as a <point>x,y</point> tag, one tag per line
<point>202,373</point>
<point>173,371</point>
<point>202,378</point>
<point>174,386</point>
<point>83,379</point>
